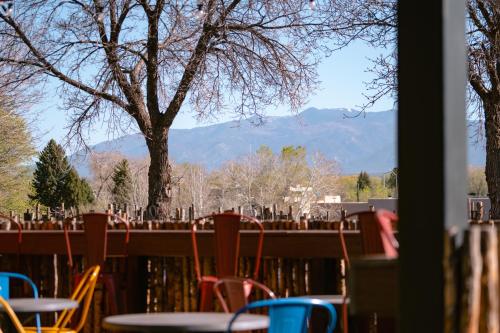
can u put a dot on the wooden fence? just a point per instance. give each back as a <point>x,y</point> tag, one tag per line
<point>299,258</point>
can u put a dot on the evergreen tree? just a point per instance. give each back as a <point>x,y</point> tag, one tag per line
<point>122,183</point>
<point>50,177</point>
<point>55,181</point>
<point>86,192</point>
<point>362,183</point>
<point>77,191</point>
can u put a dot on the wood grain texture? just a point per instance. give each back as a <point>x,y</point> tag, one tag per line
<point>277,243</point>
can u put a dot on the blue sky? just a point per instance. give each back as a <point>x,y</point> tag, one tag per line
<point>342,76</point>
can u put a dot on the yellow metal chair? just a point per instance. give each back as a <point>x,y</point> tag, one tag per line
<point>82,294</point>
<point>12,315</point>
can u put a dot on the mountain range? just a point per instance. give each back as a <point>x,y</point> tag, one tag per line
<point>356,141</point>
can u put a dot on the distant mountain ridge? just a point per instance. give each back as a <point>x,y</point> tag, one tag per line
<point>357,142</point>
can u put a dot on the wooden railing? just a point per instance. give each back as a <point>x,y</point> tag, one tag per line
<point>175,243</point>
<point>299,258</point>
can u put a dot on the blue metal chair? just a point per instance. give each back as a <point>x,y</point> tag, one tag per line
<point>5,289</point>
<point>289,315</point>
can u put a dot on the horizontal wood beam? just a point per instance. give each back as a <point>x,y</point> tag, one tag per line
<point>277,243</point>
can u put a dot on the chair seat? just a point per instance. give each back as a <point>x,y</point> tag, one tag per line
<point>209,278</point>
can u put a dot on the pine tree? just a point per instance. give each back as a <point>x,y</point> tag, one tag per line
<point>77,191</point>
<point>122,183</point>
<point>55,181</point>
<point>50,177</point>
<point>362,183</point>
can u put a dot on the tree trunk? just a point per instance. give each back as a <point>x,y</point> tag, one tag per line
<point>159,175</point>
<point>492,130</point>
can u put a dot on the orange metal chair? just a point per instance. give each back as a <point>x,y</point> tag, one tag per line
<point>83,293</point>
<point>233,292</point>
<point>96,236</point>
<point>227,248</point>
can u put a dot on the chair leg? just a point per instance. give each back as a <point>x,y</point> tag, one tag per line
<point>345,318</point>
<point>206,296</point>
<point>109,285</point>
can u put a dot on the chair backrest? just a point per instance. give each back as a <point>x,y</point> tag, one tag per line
<point>370,235</point>
<point>5,283</point>
<point>289,315</point>
<point>385,220</point>
<point>227,244</point>
<point>233,292</point>
<point>96,237</point>
<point>376,232</point>
<point>12,315</point>
<point>5,288</point>
<point>83,292</point>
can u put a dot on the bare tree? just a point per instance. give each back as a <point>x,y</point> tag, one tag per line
<point>102,166</point>
<point>483,32</point>
<point>228,187</point>
<point>264,178</point>
<point>477,182</point>
<point>191,187</point>
<point>323,180</point>
<point>140,60</point>
<point>139,168</point>
<point>374,21</point>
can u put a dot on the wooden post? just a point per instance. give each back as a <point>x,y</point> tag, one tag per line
<point>480,210</point>
<point>471,273</point>
<point>492,282</point>
<point>431,111</point>
<point>37,212</point>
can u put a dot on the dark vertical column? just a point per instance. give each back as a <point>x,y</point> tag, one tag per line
<point>431,152</point>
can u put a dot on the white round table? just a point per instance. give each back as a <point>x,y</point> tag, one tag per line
<point>184,322</point>
<point>332,299</point>
<point>40,304</point>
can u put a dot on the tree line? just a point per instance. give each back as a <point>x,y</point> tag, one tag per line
<point>259,179</point>
<point>141,61</point>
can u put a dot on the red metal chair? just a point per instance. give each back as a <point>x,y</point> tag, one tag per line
<point>233,292</point>
<point>227,248</point>
<point>377,237</point>
<point>385,220</point>
<point>96,236</point>
<point>19,228</point>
